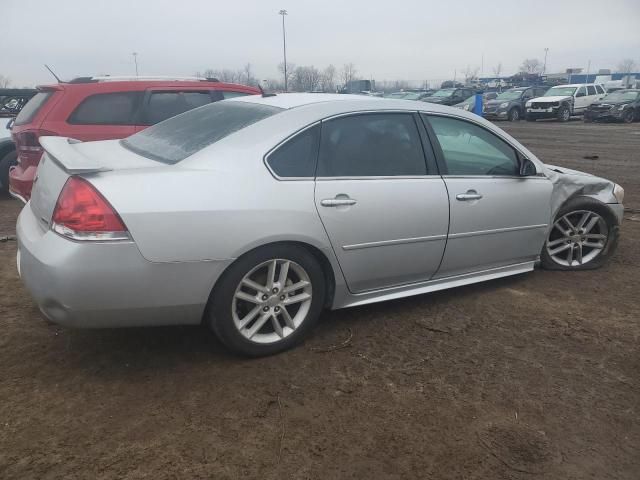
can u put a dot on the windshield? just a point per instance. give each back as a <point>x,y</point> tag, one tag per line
<point>397,95</point>
<point>444,93</point>
<point>560,92</point>
<point>181,136</point>
<point>510,95</point>
<point>621,97</point>
<point>412,96</point>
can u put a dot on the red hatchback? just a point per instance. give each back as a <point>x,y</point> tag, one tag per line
<point>104,108</point>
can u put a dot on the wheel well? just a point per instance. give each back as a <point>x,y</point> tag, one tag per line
<point>325,264</point>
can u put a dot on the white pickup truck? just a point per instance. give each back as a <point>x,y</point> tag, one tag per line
<point>564,101</point>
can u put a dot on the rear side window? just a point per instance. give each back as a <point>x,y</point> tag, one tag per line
<point>179,137</point>
<point>297,157</point>
<point>107,109</point>
<point>591,90</point>
<point>371,145</point>
<point>31,109</point>
<point>599,89</point>
<point>163,105</point>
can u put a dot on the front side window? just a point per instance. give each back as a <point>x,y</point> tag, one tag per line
<point>582,92</point>
<point>471,150</point>
<point>371,145</point>
<point>107,109</point>
<point>297,156</point>
<point>163,105</point>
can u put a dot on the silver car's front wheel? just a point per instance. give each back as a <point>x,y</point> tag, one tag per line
<point>268,299</point>
<point>272,301</point>
<point>583,235</point>
<point>577,238</point>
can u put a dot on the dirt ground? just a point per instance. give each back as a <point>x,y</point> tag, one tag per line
<point>534,376</point>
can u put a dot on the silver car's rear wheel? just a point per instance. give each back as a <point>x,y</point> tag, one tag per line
<point>269,299</point>
<point>272,301</point>
<point>577,238</point>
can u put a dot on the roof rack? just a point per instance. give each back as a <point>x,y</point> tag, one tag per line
<point>109,78</point>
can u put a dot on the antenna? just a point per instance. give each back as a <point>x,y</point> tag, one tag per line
<point>52,73</point>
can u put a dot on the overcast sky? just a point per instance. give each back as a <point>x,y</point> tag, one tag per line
<point>414,40</point>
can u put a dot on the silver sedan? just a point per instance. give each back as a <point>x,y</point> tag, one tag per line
<point>252,215</point>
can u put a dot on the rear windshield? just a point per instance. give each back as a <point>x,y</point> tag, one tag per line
<point>179,137</point>
<point>32,107</point>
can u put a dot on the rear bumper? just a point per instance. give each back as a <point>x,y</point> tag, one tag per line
<point>108,284</point>
<point>21,181</point>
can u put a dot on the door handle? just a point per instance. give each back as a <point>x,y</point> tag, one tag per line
<point>337,202</point>
<point>470,195</point>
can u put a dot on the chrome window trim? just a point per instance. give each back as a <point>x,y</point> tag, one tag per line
<point>380,177</point>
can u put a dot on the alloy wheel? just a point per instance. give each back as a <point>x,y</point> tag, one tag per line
<point>272,301</point>
<point>577,238</point>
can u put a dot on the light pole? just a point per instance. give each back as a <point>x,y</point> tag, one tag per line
<point>284,47</point>
<point>135,60</point>
<point>544,68</point>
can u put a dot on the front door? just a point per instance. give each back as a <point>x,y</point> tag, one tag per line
<point>385,212</point>
<point>582,100</point>
<point>498,217</point>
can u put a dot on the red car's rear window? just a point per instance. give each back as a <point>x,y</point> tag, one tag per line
<point>31,109</point>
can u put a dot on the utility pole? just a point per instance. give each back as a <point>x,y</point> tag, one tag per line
<point>135,60</point>
<point>544,68</point>
<point>284,47</point>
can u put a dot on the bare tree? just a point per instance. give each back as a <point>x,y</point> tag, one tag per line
<point>291,68</point>
<point>305,79</point>
<point>626,67</point>
<point>470,74</point>
<point>497,70</point>
<point>328,81</point>
<point>348,73</point>
<point>4,81</point>
<point>531,65</point>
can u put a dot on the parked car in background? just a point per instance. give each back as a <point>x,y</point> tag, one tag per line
<point>564,101</point>
<point>510,104</point>
<point>621,105</point>
<point>449,96</point>
<point>410,94</point>
<point>11,102</point>
<point>469,104</point>
<point>103,108</point>
<point>252,215</point>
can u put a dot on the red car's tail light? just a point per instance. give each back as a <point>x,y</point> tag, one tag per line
<point>29,148</point>
<point>82,213</point>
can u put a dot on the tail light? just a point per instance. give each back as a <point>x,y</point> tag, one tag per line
<point>29,148</point>
<point>82,213</point>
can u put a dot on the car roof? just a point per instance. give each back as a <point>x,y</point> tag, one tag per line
<point>137,84</point>
<point>576,85</point>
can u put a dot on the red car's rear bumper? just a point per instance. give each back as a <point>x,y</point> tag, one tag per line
<point>21,181</point>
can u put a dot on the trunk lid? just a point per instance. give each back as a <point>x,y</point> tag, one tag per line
<point>64,157</point>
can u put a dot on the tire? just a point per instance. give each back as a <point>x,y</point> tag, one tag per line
<point>6,162</point>
<point>553,256</point>
<point>564,114</point>
<point>629,116</point>
<point>227,311</point>
<point>514,115</point>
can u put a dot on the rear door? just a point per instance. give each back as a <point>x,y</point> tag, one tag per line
<point>104,116</point>
<point>385,209</point>
<point>498,217</point>
<point>581,100</point>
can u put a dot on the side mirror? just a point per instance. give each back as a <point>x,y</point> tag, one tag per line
<point>527,168</point>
